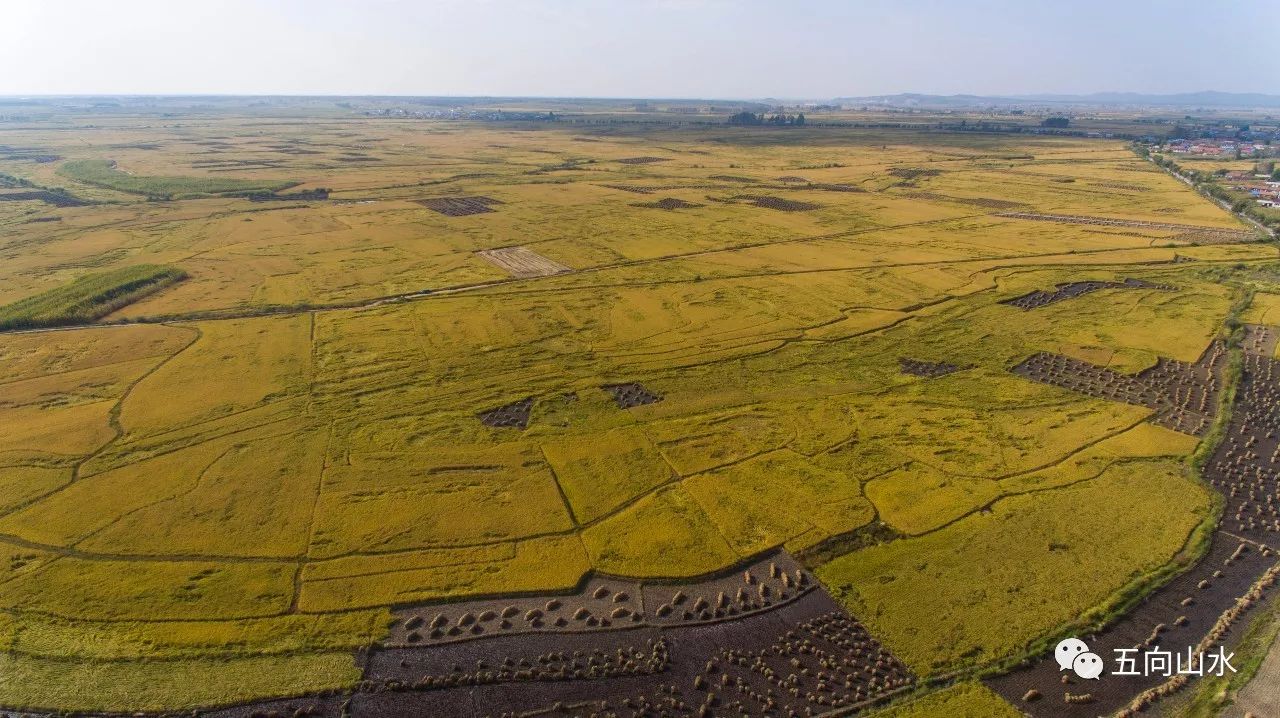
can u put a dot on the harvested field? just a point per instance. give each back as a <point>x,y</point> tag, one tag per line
<point>1211,236</point>
<point>459,206</point>
<point>631,395</point>
<point>1239,235</point>
<point>778,203</point>
<point>651,188</point>
<point>927,369</point>
<point>984,202</point>
<point>1247,466</point>
<point>761,640</point>
<point>522,262</point>
<point>606,603</point>
<point>514,415</point>
<point>643,160</point>
<point>637,189</point>
<point>56,199</point>
<point>668,203</point>
<point>1127,186</point>
<point>1184,396</point>
<point>910,173</point>
<point>834,187</point>
<point>1200,606</point>
<point>1040,298</point>
<point>1177,616</point>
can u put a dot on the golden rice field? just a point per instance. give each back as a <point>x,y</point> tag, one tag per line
<point>233,479</point>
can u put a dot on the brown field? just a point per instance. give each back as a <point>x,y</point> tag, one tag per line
<point>522,262</point>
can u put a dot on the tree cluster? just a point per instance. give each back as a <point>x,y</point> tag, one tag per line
<point>780,119</point>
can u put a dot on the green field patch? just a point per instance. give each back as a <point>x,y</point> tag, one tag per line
<point>104,173</point>
<point>88,298</point>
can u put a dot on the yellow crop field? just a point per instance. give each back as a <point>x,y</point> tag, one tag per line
<point>964,700</point>
<point>599,474</point>
<point>167,685</point>
<point>666,534</point>
<point>757,345</point>
<point>1020,548</point>
<point>259,358</point>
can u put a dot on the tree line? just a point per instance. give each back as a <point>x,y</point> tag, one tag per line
<point>781,119</point>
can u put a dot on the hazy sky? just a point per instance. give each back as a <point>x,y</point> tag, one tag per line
<point>636,48</point>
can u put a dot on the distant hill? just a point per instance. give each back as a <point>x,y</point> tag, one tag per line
<point>1207,98</point>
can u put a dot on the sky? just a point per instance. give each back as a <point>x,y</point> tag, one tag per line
<point>793,49</point>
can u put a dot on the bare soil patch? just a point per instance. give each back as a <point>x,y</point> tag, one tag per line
<point>1040,298</point>
<point>668,203</point>
<point>459,206</point>
<point>928,369</point>
<point>514,415</point>
<point>984,202</point>
<point>630,188</point>
<point>778,203</point>
<point>910,173</point>
<point>631,395</point>
<point>1184,396</point>
<point>834,187</point>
